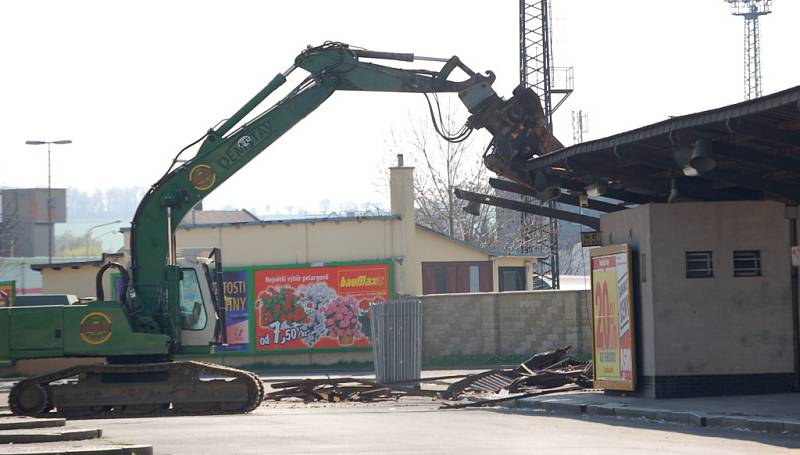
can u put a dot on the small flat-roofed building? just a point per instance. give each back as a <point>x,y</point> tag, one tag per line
<point>424,261</point>
<point>708,203</point>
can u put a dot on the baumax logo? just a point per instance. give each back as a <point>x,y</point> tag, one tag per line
<point>95,328</point>
<point>362,280</point>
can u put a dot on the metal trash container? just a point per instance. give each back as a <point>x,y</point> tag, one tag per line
<point>397,339</point>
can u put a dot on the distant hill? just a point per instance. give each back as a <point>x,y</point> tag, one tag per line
<point>111,203</point>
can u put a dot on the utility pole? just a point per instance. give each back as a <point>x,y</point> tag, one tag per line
<point>751,10</point>
<point>580,125</point>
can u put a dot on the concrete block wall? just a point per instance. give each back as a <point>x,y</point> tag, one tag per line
<point>505,323</point>
<point>491,323</point>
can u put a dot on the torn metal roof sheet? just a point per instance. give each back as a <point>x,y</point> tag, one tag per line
<point>748,150</point>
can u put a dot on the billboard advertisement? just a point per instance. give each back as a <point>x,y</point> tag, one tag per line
<point>612,318</point>
<point>317,307</point>
<point>7,293</point>
<point>237,319</point>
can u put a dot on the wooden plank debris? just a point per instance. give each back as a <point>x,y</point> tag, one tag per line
<point>545,372</point>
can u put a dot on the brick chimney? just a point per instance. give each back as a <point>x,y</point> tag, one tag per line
<point>401,183</point>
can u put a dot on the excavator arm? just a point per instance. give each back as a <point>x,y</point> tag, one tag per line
<point>151,300</point>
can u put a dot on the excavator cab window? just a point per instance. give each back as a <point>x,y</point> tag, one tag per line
<point>193,311</point>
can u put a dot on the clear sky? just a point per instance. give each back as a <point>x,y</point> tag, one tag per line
<point>133,82</point>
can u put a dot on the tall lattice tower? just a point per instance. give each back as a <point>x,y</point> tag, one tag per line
<point>553,85</point>
<point>751,10</point>
<point>580,125</point>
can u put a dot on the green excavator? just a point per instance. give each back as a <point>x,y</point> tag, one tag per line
<point>171,305</point>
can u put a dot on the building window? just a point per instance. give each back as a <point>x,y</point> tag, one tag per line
<point>747,263</point>
<point>192,310</point>
<point>441,279</point>
<point>474,278</point>
<point>512,278</point>
<point>699,264</point>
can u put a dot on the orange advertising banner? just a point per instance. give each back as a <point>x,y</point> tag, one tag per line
<point>7,293</point>
<point>317,307</point>
<point>612,317</point>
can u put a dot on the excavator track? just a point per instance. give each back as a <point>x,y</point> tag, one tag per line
<point>135,390</point>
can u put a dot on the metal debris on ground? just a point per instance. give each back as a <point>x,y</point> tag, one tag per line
<point>494,401</point>
<point>342,389</point>
<point>544,373</point>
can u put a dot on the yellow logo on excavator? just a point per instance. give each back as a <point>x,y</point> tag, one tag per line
<point>95,328</point>
<point>202,177</point>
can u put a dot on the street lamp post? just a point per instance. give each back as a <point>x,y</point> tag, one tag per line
<point>49,195</point>
<point>89,233</point>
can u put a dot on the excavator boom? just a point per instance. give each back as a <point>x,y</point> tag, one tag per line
<point>331,67</point>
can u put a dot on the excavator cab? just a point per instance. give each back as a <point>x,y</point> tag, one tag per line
<point>197,312</point>
<point>201,298</point>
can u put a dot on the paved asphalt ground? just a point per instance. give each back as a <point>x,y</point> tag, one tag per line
<point>417,426</point>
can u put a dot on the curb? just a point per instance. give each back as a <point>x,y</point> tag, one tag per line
<point>128,450</point>
<point>697,419</point>
<point>68,435</point>
<point>25,423</point>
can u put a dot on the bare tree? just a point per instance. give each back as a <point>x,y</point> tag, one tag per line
<point>442,166</point>
<point>573,259</point>
<point>70,245</point>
